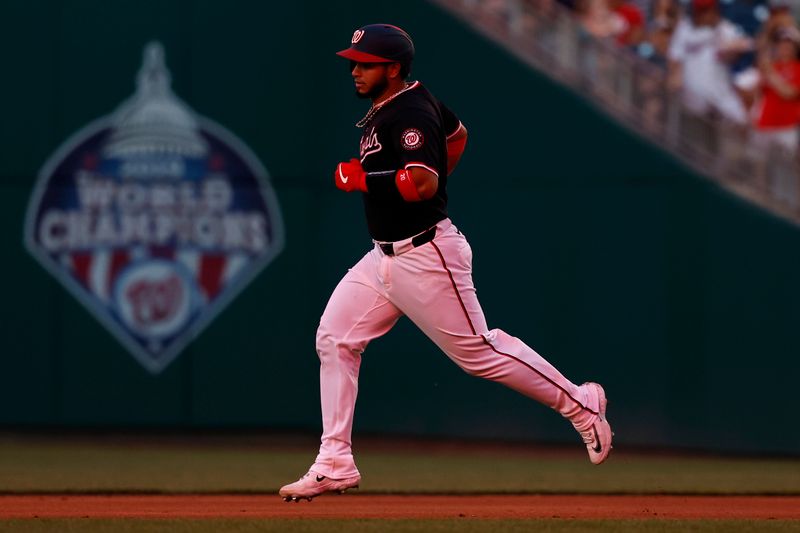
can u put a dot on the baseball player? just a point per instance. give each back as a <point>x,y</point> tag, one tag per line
<point>420,266</point>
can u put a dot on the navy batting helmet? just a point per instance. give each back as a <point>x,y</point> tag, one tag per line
<point>380,43</point>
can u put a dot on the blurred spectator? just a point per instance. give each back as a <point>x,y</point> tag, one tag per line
<point>779,16</point>
<point>748,16</point>
<point>700,52</point>
<point>597,18</point>
<point>629,24</point>
<point>666,14</point>
<point>621,20</point>
<point>791,6</point>
<point>776,112</point>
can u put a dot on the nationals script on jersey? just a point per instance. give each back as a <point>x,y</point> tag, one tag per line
<point>409,129</point>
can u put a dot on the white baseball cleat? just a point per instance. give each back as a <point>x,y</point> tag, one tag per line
<point>598,437</point>
<point>313,484</point>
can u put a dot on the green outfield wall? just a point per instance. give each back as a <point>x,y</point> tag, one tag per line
<point>603,253</point>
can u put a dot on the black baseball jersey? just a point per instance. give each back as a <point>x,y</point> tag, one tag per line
<point>410,129</point>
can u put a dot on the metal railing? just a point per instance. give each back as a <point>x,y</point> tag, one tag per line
<point>547,36</point>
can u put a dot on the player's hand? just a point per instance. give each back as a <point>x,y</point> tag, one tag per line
<point>350,176</point>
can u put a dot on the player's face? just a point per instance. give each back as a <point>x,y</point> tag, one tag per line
<point>371,79</point>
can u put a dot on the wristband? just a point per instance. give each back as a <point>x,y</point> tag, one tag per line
<point>406,186</point>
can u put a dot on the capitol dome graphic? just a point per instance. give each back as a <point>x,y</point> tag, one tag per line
<point>155,121</point>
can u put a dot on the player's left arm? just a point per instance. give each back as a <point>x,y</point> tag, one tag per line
<point>425,181</point>
<point>456,134</point>
<point>456,142</point>
<point>417,137</point>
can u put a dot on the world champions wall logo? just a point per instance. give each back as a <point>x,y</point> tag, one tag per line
<point>154,217</point>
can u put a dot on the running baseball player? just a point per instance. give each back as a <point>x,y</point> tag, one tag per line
<point>420,266</point>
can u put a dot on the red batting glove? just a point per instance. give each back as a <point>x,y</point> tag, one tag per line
<point>350,176</point>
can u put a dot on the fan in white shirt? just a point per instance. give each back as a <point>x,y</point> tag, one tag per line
<point>700,52</point>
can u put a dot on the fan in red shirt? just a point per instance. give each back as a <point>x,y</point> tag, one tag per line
<point>777,112</point>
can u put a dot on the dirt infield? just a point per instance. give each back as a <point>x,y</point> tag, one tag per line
<point>401,506</point>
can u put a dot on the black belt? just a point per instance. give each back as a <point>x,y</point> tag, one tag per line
<point>427,236</point>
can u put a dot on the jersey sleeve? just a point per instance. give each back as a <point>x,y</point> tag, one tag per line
<point>450,122</point>
<point>418,139</point>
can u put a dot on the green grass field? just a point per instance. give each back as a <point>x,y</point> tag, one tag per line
<point>262,464</point>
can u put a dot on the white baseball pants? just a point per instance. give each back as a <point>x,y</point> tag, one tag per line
<point>432,286</point>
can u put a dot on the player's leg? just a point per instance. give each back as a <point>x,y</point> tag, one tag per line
<point>355,314</point>
<point>446,308</point>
